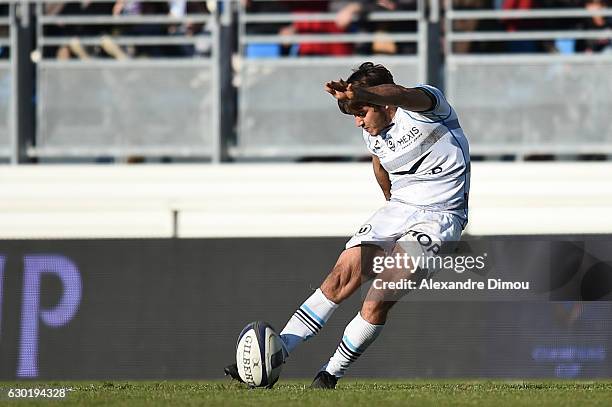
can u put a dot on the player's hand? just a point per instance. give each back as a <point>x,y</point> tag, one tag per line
<point>340,90</point>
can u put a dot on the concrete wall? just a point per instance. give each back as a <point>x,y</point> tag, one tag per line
<point>282,200</point>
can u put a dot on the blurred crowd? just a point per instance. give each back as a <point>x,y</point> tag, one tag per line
<point>350,16</point>
<point>534,24</point>
<point>108,47</point>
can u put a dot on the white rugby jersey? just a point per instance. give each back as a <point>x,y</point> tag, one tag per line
<point>427,157</point>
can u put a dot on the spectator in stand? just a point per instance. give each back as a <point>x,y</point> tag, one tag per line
<point>351,16</point>
<point>175,8</point>
<point>467,25</point>
<point>179,9</point>
<point>318,27</point>
<point>347,10</point>
<point>595,23</point>
<point>4,30</point>
<point>80,8</point>
<point>130,7</point>
<point>264,50</point>
<point>530,24</point>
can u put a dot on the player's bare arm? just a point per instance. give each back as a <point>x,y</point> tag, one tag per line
<point>382,177</point>
<point>413,99</point>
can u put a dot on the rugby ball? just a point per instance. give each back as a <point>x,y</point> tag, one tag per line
<point>259,355</point>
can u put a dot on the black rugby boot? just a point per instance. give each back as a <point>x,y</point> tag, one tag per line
<point>324,380</point>
<point>232,371</point>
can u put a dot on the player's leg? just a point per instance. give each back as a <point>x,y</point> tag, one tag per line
<point>429,234</point>
<point>352,269</point>
<point>384,227</point>
<point>365,327</point>
<point>344,279</point>
<point>358,335</point>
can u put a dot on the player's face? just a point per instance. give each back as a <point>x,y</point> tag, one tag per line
<point>372,119</point>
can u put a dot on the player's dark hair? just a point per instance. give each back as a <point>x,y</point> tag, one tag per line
<point>368,74</point>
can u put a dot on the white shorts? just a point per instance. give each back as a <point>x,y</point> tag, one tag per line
<point>430,231</point>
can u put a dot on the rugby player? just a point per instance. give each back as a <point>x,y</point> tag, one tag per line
<point>421,161</point>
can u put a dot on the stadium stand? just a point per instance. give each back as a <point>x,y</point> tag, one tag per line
<point>82,65</point>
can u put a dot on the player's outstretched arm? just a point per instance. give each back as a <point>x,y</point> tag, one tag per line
<point>382,177</point>
<point>413,99</point>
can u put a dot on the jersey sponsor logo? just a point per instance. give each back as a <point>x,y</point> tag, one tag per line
<point>391,144</point>
<point>425,241</point>
<point>407,139</point>
<point>364,229</point>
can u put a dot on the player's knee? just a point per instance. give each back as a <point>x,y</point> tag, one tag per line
<point>375,312</point>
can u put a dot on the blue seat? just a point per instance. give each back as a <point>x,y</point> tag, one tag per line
<point>566,46</point>
<point>263,51</point>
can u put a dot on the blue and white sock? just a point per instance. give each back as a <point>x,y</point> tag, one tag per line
<point>308,320</point>
<point>358,335</point>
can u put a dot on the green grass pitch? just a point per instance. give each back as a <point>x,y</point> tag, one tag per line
<point>350,393</point>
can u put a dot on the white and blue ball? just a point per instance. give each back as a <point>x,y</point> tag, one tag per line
<point>259,355</point>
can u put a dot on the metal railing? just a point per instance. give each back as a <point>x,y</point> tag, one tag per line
<point>108,101</point>
<point>530,103</point>
<point>531,14</point>
<point>282,108</point>
<point>7,81</point>
<point>117,104</point>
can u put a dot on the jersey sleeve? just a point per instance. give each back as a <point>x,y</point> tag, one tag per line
<point>441,109</point>
<point>367,141</point>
